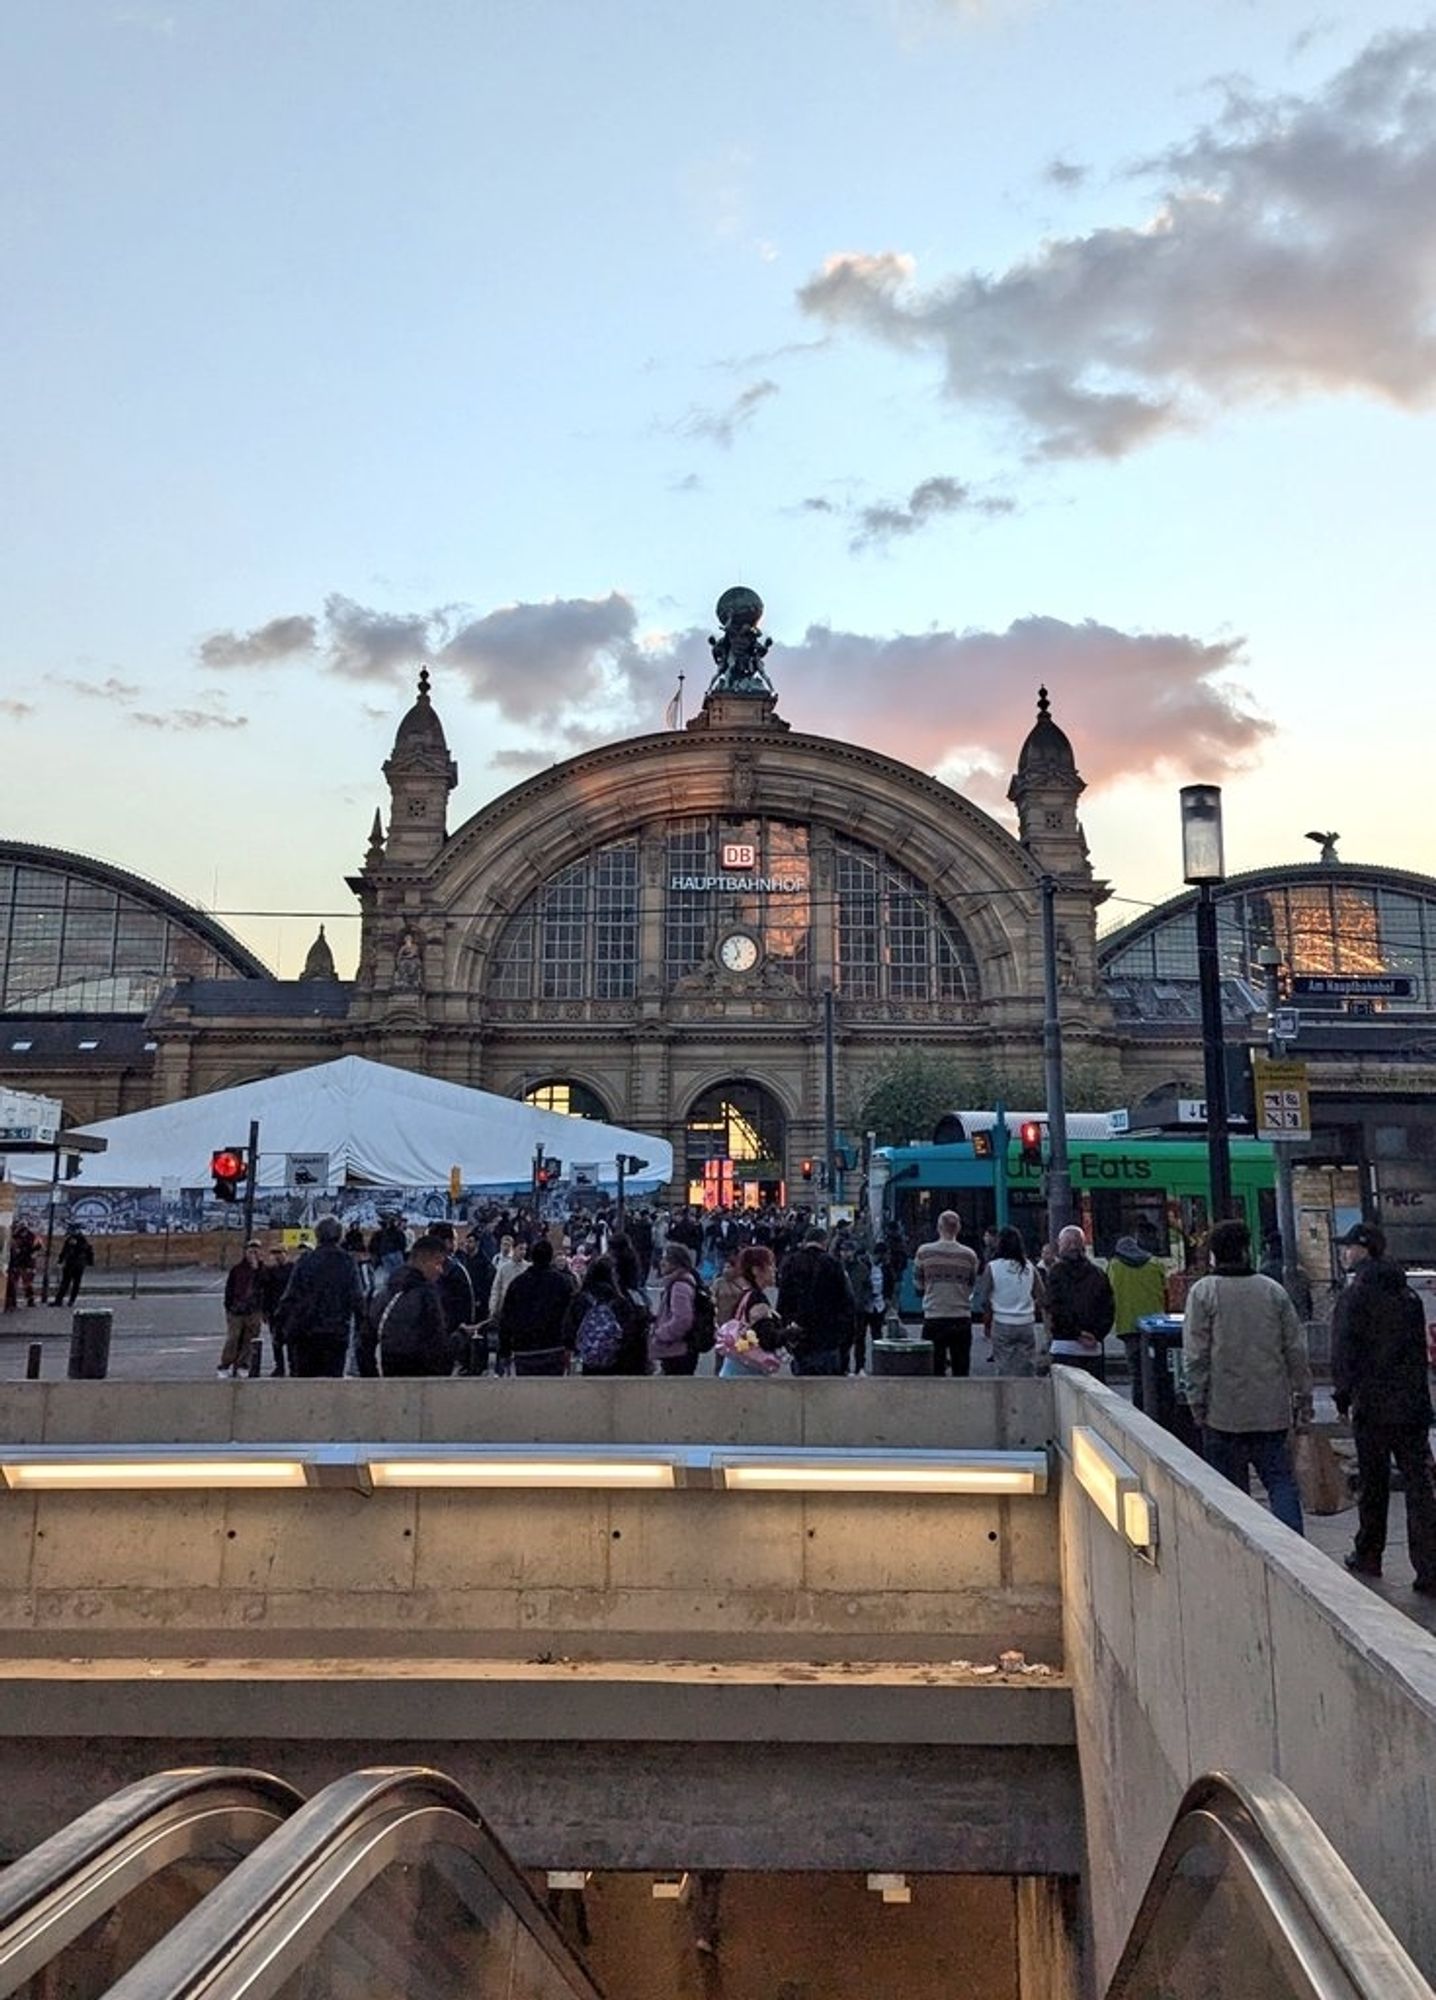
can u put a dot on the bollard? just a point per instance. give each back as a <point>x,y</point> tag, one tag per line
<point>902,1357</point>
<point>90,1344</point>
<point>134,1277</point>
<point>32,1361</point>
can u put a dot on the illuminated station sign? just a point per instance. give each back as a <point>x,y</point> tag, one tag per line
<point>738,862</point>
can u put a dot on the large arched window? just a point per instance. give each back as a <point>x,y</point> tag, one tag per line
<point>577,937</point>
<point>735,1140</point>
<point>892,938</point>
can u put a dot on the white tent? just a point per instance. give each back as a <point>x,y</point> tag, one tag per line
<point>386,1127</point>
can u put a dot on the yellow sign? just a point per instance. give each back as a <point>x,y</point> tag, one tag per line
<point>1283,1099</point>
<point>456,1183</point>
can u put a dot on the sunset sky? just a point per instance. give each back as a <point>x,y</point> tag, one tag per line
<point>993,341</point>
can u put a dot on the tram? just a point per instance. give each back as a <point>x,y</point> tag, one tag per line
<point>1154,1190</point>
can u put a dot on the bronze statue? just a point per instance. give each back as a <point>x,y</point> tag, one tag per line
<point>739,654</point>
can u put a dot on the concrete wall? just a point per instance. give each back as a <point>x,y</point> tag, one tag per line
<point>674,1575</point>
<point>1242,1649</point>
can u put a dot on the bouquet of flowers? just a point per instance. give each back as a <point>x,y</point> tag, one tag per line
<point>736,1341</point>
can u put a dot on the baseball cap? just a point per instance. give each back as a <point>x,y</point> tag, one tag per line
<point>1367,1236</point>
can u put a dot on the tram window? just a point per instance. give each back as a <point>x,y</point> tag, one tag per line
<point>1119,1212</point>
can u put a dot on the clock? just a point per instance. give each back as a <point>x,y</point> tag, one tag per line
<point>738,952</point>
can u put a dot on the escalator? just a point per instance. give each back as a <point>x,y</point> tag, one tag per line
<point>1250,1901</point>
<point>83,1907</point>
<point>388,1883</point>
<point>385,1883</point>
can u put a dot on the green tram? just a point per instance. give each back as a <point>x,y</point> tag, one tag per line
<point>1155,1190</point>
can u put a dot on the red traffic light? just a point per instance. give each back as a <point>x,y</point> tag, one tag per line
<point>227,1164</point>
<point>1030,1133</point>
<point>805,1167</point>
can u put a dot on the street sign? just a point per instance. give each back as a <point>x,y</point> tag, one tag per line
<point>1283,1099</point>
<point>306,1170</point>
<point>1343,986</point>
<point>1286,1024</point>
<point>584,1177</point>
<point>1191,1111</point>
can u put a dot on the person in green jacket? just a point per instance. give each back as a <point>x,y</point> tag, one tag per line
<point>1139,1286</point>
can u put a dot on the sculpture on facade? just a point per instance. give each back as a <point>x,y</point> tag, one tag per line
<point>739,653</point>
<point>408,964</point>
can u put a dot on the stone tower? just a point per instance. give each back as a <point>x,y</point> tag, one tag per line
<point>1045,791</point>
<point>420,774</point>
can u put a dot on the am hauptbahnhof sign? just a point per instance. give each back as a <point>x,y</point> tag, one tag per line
<point>1363,986</point>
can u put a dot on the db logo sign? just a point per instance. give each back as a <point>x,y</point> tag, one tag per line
<point>739,854</point>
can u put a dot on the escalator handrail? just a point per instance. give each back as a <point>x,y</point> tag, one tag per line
<point>134,1812</point>
<point>315,1851</point>
<point>1310,1891</point>
<point>52,1895</point>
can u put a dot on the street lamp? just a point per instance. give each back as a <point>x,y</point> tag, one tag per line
<point>1203,867</point>
<point>1269,959</point>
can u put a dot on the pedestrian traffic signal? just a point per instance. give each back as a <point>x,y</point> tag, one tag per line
<point>1031,1136</point>
<point>982,1145</point>
<point>805,1168</point>
<point>548,1172</point>
<point>631,1163</point>
<point>228,1170</point>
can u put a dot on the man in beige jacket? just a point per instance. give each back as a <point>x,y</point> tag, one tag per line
<point>1247,1371</point>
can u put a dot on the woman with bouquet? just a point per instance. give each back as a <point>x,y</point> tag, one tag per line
<point>747,1344</point>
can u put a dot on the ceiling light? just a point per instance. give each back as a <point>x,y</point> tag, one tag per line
<point>522,1469</point>
<point>75,1473</point>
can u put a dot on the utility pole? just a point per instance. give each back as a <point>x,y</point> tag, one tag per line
<point>999,1162</point>
<point>250,1178</point>
<point>1059,1171</point>
<point>622,1163</point>
<point>830,1095</point>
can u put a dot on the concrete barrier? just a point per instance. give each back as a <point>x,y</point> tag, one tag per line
<point>1244,1649</point>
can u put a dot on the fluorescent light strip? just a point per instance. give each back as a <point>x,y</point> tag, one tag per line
<point>141,1474</point>
<point>1114,1488</point>
<point>981,1474</point>
<point>564,1472</point>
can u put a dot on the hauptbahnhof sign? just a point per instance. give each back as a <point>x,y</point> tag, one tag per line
<point>743,885</point>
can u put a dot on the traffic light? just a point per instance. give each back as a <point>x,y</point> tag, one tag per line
<point>548,1172</point>
<point>805,1168</point>
<point>982,1145</point>
<point>632,1164</point>
<point>1030,1134</point>
<point>228,1169</point>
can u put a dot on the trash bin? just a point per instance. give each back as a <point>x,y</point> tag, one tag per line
<point>902,1357</point>
<point>90,1329</point>
<point>1163,1396</point>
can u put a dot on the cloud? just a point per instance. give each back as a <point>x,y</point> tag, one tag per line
<point>110,689</point>
<point>962,702</point>
<point>188,719</point>
<point>929,501</point>
<point>17,711</point>
<point>722,426</point>
<point>367,645</point>
<point>548,660</point>
<point>1289,251</point>
<point>1062,173</point>
<point>265,646</point>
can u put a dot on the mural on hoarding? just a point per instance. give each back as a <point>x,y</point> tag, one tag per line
<point>187,1211</point>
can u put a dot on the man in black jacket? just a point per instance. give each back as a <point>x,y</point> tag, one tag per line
<point>1379,1373</point>
<point>1080,1306</point>
<point>531,1322</point>
<point>414,1337</point>
<point>318,1308</point>
<point>815,1297</point>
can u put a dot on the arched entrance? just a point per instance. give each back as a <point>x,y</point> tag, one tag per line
<point>566,1094</point>
<point>735,1144</point>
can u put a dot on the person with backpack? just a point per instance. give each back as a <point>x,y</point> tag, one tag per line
<point>685,1326</point>
<point>413,1332</point>
<point>1380,1375</point>
<point>604,1327</point>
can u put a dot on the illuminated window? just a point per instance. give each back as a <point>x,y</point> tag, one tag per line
<point>574,1100</point>
<point>892,938</point>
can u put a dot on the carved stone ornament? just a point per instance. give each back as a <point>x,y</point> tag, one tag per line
<point>409,963</point>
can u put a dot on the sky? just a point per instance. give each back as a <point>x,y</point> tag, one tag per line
<point>995,342</point>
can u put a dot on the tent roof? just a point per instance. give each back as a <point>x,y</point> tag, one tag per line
<point>385,1126</point>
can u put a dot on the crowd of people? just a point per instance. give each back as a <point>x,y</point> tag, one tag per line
<point>759,1291</point>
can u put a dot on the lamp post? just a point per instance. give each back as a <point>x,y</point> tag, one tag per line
<point>1203,867</point>
<point>1059,1171</point>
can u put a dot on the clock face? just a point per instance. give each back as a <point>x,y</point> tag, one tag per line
<point>738,952</point>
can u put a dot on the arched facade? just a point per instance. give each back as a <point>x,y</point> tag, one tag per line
<point>668,912</point>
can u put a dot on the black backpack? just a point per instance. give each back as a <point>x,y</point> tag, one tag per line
<point>705,1318</point>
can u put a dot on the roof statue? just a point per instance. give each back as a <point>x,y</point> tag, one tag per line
<point>1328,858</point>
<point>739,654</point>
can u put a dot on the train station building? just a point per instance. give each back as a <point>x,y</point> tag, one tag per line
<point>648,933</point>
